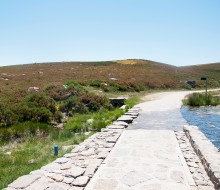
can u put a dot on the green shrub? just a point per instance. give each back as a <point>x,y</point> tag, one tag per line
<point>199,99</point>
<point>95,102</point>
<point>31,113</point>
<point>7,116</point>
<point>73,105</point>
<point>40,100</point>
<point>63,92</point>
<point>96,83</point>
<point>24,130</point>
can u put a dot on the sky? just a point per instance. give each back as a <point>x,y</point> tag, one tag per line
<point>176,32</point>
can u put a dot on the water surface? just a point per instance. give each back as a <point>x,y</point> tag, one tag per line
<point>207,119</point>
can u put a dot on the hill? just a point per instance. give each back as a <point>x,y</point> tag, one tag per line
<point>149,74</point>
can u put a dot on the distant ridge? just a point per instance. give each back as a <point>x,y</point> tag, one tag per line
<point>149,73</point>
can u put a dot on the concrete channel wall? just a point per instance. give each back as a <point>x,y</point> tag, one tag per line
<point>207,152</point>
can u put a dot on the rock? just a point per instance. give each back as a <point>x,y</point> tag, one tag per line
<point>57,177</point>
<point>192,164</point>
<point>125,118</point>
<point>102,155</point>
<point>90,121</point>
<point>81,181</point>
<point>91,169</point>
<point>112,139</point>
<point>70,155</point>
<point>58,186</point>
<point>38,172</point>
<point>113,78</point>
<point>88,152</point>
<point>32,161</point>
<point>62,160</point>
<point>68,180</point>
<point>123,107</point>
<point>79,148</point>
<point>65,148</point>
<point>109,145</point>
<point>59,126</point>
<point>39,184</point>
<point>33,89</point>
<point>24,181</point>
<point>75,171</point>
<point>8,153</point>
<point>51,166</point>
<point>87,133</point>
<point>115,127</point>
<point>65,166</point>
<point>120,123</point>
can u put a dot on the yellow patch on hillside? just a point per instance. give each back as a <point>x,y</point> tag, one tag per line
<point>127,62</point>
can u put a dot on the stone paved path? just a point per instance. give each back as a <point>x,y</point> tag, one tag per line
<point>147,155</point>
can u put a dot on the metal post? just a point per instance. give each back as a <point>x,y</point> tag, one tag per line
<point>206,87</point>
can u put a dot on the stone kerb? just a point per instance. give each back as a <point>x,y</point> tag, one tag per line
<point>74,170</point>
<point>207,152</point>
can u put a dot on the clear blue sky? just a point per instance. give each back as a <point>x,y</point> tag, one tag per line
<point>177,32</point>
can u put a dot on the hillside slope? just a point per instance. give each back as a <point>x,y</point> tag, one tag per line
<point>148,73</point>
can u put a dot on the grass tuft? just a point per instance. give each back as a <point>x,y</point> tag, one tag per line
<point>198,99</point>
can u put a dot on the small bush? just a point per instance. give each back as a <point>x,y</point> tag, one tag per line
<point>198,99</point>
<point>24,130</point>
<point>32,113</point>
<point>73,105</point>
<point>95,102</point>
<point>7,116</point>
<point>63,92</point>
<point>96,83</point>
<point>40,100</point>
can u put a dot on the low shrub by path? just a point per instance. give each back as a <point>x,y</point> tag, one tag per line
<point>200,99</point>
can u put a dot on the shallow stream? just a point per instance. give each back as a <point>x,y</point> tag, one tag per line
<point>207,119</point>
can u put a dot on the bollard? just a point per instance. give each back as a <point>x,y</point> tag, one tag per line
<point>56,150</point>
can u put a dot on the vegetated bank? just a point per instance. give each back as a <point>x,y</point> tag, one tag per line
<point>29,123</point>
<point>200,99</point>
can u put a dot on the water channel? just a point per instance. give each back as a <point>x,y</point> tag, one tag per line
<point>207,118</point>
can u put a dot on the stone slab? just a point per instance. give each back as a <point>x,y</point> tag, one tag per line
<point>24,181</point>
